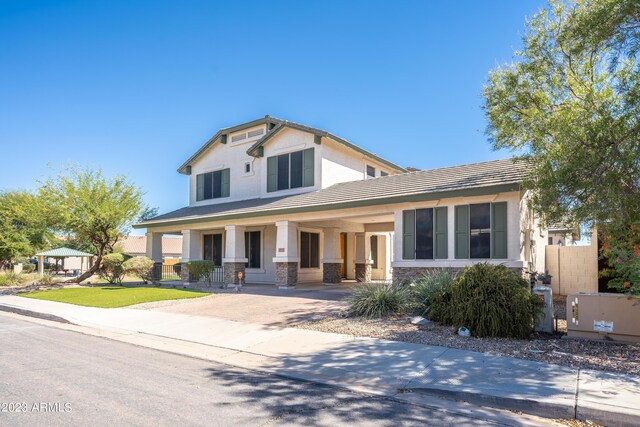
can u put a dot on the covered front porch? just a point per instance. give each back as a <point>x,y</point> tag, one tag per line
<point>288,252</point>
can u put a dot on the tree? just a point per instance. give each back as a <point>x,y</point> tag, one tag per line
<point>92,208</point>
<point>570,106</point>
<point>23,229</point>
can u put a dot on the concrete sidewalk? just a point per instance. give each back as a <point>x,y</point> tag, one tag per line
<point>366,364</point>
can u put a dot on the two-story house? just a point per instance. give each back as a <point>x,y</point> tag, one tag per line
<point>285,203</point>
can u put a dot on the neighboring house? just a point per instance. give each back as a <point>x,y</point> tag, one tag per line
<point>285,203</point>
<point>136,246</point>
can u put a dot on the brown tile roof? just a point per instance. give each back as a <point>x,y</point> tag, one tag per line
<point>135,245</point>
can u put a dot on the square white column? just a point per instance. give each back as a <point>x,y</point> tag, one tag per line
<point>191,245</point>
<point>286,242</point>
<point>154,246</point>
<point>331,250</point>
<point>234,244</point>
<point>363,248</point>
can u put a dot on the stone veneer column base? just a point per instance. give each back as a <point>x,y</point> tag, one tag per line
<point>331,273</point>
<point>231,270</point>
<point>185,276</point>
<point>286,274</point>
<point>363,272</point>
<point>156,271</point>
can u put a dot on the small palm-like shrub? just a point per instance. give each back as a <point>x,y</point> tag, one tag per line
<point>28,268</point>
<point>490,300</point>
<point>379,300</point>
<point>428,287</point>
<point>141,267</point>
<point>47,279</point>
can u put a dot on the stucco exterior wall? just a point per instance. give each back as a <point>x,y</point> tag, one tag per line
<point>341,164</point>
<point>573,268</point>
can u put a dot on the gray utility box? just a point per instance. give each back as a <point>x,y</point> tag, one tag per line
<point>544,323</point>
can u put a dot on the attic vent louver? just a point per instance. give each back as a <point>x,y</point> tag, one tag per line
<point>238,137</point>
<point>256,132</point>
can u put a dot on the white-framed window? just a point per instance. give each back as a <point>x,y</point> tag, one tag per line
<point>371,171</point>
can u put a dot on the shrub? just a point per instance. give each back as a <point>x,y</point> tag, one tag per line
<point>11,279</point>
<point>47,279</point>
<point>28,268</point>
<point>201,270</point>
<point>379,300</point>
<point>490,300</point>
<point>112,268</point>
<point>141,267</point>
<point>428,287</point>
<point>177,268</point>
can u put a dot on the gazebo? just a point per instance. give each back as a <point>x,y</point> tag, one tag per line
<point>63,253</point>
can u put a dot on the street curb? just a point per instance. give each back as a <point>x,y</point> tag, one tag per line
<point>37,315</point>
<point>535,407</point>
<point>528,406</point>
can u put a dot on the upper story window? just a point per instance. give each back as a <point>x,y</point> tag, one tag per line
<point>383,173</point>
<point>212,185</point>
<point>371,171</point>
<point>291,170</point>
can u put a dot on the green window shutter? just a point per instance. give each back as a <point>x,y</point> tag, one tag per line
<point>199,187</point>
<point>226,183</point>
<point>307,168</point>
<point>462,231</point>
<point>499,230</point>
<point>440,234</point>
<point>409,234</point>
<point>272,173</point>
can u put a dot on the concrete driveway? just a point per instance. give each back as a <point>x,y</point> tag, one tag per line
<point>262,304</point>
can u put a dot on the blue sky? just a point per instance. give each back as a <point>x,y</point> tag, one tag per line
<point>135,87</point>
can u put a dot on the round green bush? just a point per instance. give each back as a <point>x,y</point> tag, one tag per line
<point>379,300</point>
<point>112,267</point>
<point>28,268</point>
<point>490,300</point>
<point>141,267</point>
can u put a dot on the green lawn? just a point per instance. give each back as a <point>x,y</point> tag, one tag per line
<point>113,296</point>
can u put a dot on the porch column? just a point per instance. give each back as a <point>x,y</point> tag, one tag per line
<point>331,261</point>
<point>40,265</point>
<point>363,257</point>
<point>154,253</point>
<point>286,258</point>
<point>191,251</point>
<point>234,259</point>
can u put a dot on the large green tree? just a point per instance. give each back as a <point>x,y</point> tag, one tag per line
<point>23,228</point>
<point>570,106</point>
<point>92,208</point>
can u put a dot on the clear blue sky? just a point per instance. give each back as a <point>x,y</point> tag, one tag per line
<point>135,87</point>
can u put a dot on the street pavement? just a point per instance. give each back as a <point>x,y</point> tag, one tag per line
<point>68,378</point>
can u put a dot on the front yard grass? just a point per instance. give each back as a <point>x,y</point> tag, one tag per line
<point>113,296</point>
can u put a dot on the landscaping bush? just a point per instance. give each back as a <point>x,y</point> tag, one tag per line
<point>379,300</point>
<point>490,300</point>
<point>112,268</point>
<point>201,270</point>
<point>11,279</point>
<point>141,267</point>
<point>28,268</point>
<point>428,287</point>
<point>47,279</point>
<point>177,268</point>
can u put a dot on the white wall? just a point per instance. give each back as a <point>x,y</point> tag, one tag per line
<point>514,256</point>
<point>341,164</point>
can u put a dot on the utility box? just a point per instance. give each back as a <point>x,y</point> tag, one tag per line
<point>607,316</point>
<point>544,323</point>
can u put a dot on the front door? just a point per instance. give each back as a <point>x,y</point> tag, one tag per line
<point>343,254</point>
<point>212,248</point>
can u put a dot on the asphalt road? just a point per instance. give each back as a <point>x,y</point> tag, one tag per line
<point>63,377</point>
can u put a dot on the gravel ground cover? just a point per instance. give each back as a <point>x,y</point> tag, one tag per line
<point>584,354</point>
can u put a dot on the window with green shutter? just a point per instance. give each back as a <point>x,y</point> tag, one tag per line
<point>213,185</point>
<point>441,244</point>
<point>462,232</point>
<point>499,230</point>
<point>291,170</point>
<point>409,234</point>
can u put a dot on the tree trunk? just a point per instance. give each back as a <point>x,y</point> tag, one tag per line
<point>90,272</point>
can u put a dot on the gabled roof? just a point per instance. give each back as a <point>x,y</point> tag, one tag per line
<point>274,126</point>
<point>138,245</point>
<point>63,252</point>
<point>466,180</point>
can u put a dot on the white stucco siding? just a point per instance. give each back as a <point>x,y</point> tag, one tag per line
<point>232,155</point>
<point>341,164</point>
<point>514,256</point>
